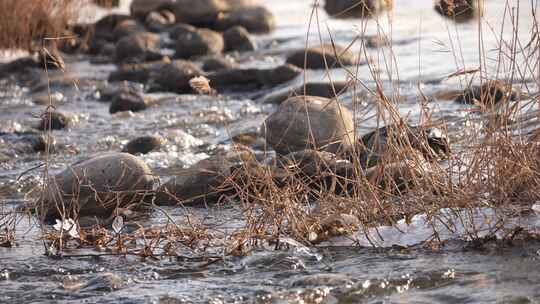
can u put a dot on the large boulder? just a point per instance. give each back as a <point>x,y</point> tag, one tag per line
<point>97,186</point>
<point>319,57</point>
<point>308,122</point>
<point>256,19</point>
<point>460,10</point>
<point>138,48</point>
<point>198,42</point>
<point>356,8</point>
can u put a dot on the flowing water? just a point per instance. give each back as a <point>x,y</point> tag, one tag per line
<point>426,49</point>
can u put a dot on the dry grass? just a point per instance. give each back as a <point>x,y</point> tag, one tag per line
<point>26,23</point>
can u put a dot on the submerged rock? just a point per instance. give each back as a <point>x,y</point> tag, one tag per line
<point>308,122</point>
<point>198,42</point>
<point>97,186</point>
<point>491,92</point>
<point>237,38</point>
<point>128,101</point>
<point>460,10</point>
<point>138,47</point>
<point>356,8</point>
<point>319,57</point>
<point>143,145</point>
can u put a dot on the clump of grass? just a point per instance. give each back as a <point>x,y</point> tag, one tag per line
<point>25,24</point>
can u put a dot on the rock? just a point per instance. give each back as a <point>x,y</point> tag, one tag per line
<point>103,282</point>
<point>460,10</point>
<point>175,76</point>
<point>320,170</point>
<point>491,92</point>
<point>308,122</point>
<point>205,182</point>
<point>237,38</point>
<point>97,186</point>
<point>256,19</point>
<point>321,280</point>
<point>320,89</point>
<point>374,147</point>
<point>181,29</point>
<point>27,141</point>
<point>104,27</point>
<point>200,12</point>
<point>356,8</point>
<point>216,63</point>
<point>126,28</point>
<point>135,72</point>
<point>159,21</point>
<point>143,145</point>
<point>54,121</point>
<point>316,57</point>
<point>249,79</point>
<point>138,48</point>
<point>127,101</point>
<point>18,66</point>
<point>376,41</point>
<point>141,8</point>
<point>198,42</point>
<point>401,175</point>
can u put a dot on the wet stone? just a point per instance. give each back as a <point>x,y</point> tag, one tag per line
<point>330,125</point>
<point>128,101</point>
<point>256,19</point>
<point>138,47</point>
<point>97,186</point>
<point>54,121</point>
<point>198,42</point>
<point>216,63</point>
<point>143,145</point>
<point>319,57</point>
<point>237,38</point>
<point>356,8</point>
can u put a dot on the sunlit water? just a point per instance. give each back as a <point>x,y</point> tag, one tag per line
<point>426,49</point>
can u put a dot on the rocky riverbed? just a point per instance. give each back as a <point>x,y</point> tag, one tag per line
<point>152,121</point>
